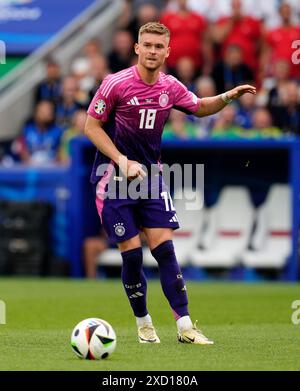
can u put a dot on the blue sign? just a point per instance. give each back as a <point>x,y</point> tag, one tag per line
<point>27,24</point>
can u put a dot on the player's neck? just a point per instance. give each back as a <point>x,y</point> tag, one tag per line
<point>148,77</point>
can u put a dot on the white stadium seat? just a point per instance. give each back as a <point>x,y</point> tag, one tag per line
<point>110,257</point>
<point>271,241</point>
<point>229,226</point>
<point>191,214</point>
<point>185,239</point>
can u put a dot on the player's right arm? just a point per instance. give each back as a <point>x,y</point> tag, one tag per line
<point>97,135</point>
<point>101,108</point>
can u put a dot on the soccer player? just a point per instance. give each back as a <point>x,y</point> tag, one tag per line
<point>125,122</point>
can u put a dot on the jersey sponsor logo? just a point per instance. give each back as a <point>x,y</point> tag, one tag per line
<point>134,101</point>
<point>119,229</point>
<point>100,106</point>
<point>163,99</point>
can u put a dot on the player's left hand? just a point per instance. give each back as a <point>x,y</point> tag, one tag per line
<point>236,92</point>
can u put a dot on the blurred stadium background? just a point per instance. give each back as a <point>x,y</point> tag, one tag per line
<point>51,67</point>
<point>53,56</point>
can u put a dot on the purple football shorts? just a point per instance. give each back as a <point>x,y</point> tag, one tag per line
<point>123,217</point>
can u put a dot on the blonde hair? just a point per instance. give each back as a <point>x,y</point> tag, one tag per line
<point>154,28</point>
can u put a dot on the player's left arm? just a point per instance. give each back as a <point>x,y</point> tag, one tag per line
<point>212,105</point>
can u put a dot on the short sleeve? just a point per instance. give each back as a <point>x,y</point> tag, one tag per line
<point>104,101</point>
<point>185,100</point>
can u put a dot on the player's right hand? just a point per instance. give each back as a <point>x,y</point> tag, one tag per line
<point>133,170</point>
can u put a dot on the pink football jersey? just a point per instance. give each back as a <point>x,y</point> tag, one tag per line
<point>134,113</point>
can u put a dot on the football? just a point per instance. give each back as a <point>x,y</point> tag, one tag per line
<point>93,339</point>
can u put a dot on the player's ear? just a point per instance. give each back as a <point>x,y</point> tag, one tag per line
<point>136,48</point>
<point>168,52</point>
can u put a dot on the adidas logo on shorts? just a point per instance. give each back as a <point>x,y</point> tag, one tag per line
<point>174,219</point>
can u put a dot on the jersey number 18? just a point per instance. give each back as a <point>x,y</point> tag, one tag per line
<point>147,119</point>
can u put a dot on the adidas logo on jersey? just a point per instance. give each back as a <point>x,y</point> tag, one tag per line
<point>134,101</point>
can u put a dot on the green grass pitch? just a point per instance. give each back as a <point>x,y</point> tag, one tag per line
<point>250,324</point>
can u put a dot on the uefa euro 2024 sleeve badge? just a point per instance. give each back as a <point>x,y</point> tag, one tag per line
<point>100,106</point>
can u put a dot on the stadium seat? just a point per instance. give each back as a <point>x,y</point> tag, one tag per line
<point>229,225</point>
<point>110,257</point>
<point>191,216</point>
<point>271,242</point>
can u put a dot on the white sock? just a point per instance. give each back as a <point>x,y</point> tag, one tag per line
<point>184,323</point>
<point>143,320</point>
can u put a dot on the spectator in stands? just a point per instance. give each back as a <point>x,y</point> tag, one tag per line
<point>185,126</point>
<point>178,127</point>
<point>205,86</point>
<point>99,69</point>
<point>68,103</point>
<point>75,130</point>
<point>159,4</point>
<point>50,88</point>
<point>279,44</point>
<point>231,71</point>
<point>185,71</point>
<point>92,249</point>
<point>265,11</point>
<point>189,38</point>
<point>269,11</point>
<point>211,9</point>
<point>286,116</point>
<point>91,49</point>
<point>125,15</point>
<point>262,119</point>
<point>81,70</point>
<point>146,12</point>
<point>89,78</point>
<point>40,138</point>
<point>226,121</point>
<point>122,52</point>
<point>6,154</point>
<point>240,30</point>
<point>281,77</point>
<point>245,111</point>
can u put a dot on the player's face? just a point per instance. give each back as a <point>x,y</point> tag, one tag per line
<point>152,50</point>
